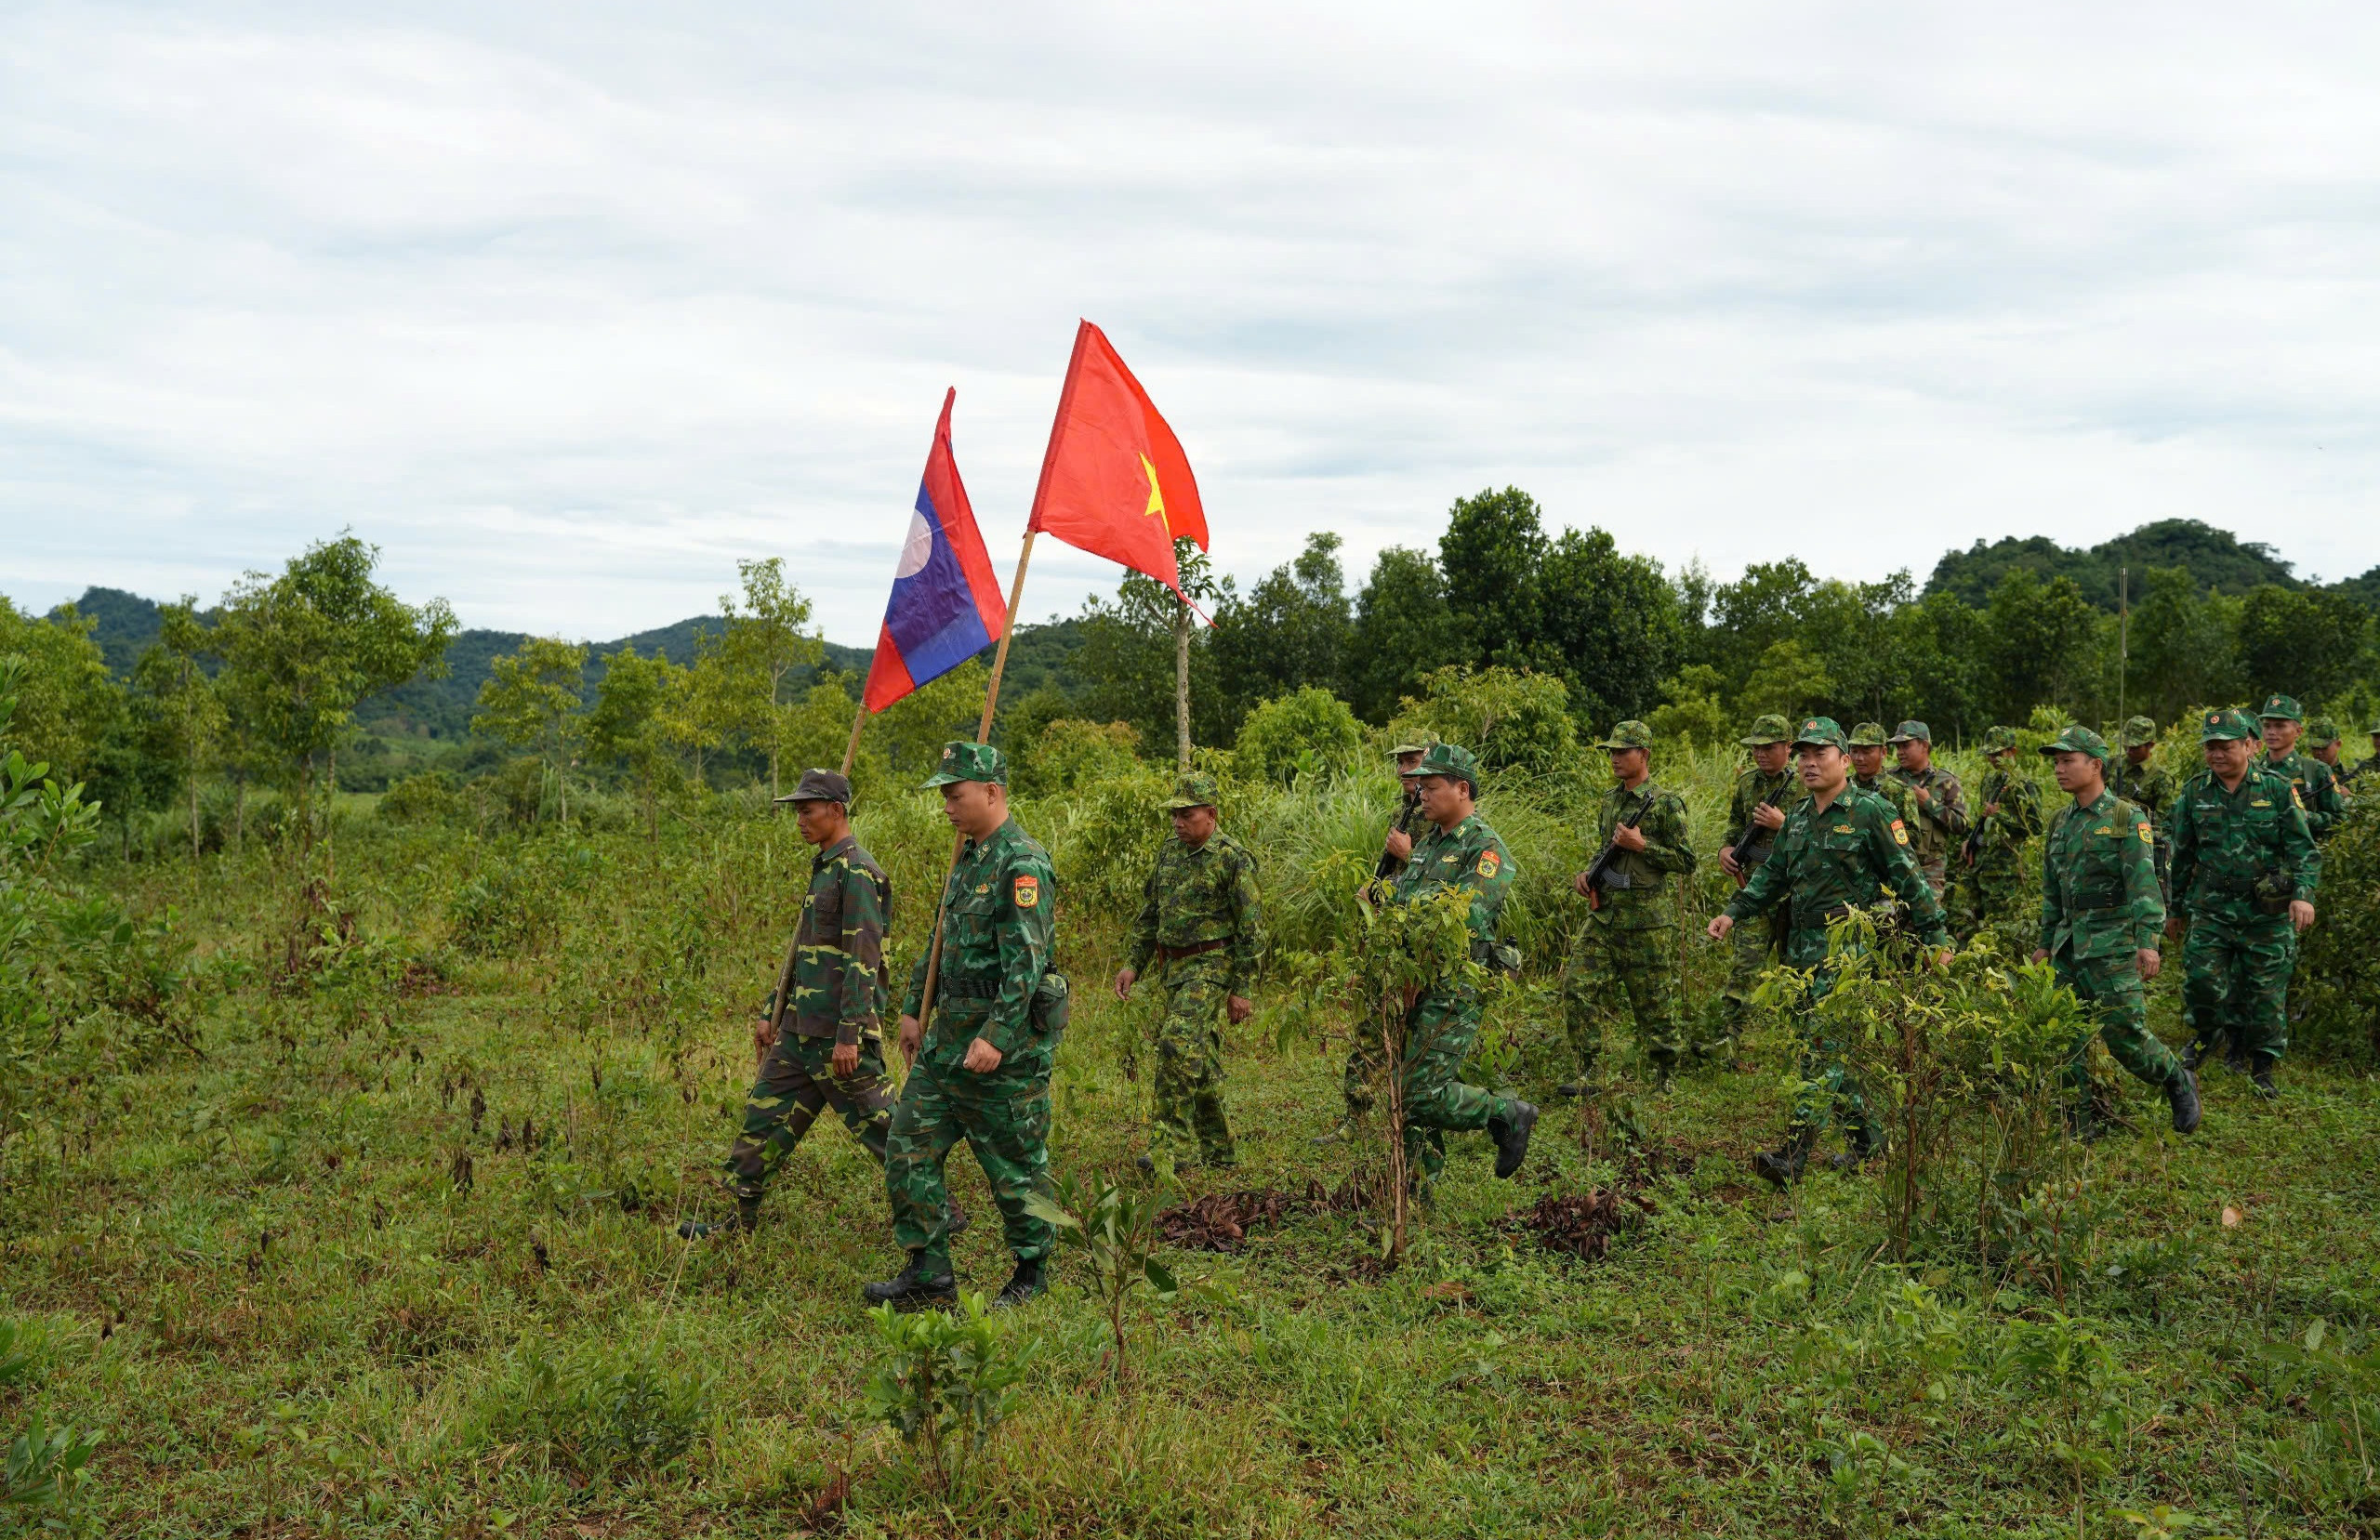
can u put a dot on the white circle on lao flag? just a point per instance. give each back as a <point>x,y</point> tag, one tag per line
<point>918,549</point>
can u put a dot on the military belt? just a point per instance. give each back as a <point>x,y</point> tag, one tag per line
<point>1196,949</point>
<point>987,988</point>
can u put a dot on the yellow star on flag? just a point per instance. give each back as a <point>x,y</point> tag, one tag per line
<point>1157,496</point>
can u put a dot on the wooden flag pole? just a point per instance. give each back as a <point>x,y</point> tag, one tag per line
<point>1182,684</point>
<point>850,749</point>
<point>983,735</point>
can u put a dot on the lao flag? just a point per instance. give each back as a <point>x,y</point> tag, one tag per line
<point>945,605</point>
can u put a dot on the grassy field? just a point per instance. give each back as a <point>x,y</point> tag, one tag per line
<point>386,1246</point>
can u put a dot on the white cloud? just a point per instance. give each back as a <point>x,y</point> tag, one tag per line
<point>569,306</point>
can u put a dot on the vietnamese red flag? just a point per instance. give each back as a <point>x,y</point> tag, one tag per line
<point>1115,481</point>
<point>945,605</point>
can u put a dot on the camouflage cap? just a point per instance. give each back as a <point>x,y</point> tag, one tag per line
<point>1912,731</point>
<point>1420,744</point>
<point>2283,708</point>
<point>2000,740</point>
<point>2138,731</point>
<point>2228,723</point>
<point>1821,730</point>
<point>1194,790</point>
<point>820,786</point>
<point>2320,733</point>
<point>964,761</point>
<point>1630,734</point>
<point>2077,739</point>
<point>1449,760</point>
<point>1868,736</point>
<point>1771,729</point>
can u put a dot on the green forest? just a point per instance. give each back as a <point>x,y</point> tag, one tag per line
<point>376,998</point>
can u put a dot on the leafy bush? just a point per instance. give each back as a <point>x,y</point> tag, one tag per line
<point>948,1383</point>
<point>2338,969</point>
<point>1070,753</point>
<point>1311,733</point>
<point>428,798</point>
<point>597,1414</point>
<point>1512,720</point>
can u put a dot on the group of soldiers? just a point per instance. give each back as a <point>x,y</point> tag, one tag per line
<point>1818,827</point>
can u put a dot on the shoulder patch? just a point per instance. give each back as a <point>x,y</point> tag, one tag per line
<point>1028,892</point>
<point>1489,863</point>
<point>1900,832</point>
<point>2142,830</point>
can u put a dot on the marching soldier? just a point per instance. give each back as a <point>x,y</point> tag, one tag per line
<point>1626,953</point>
<point>1755,812</point>
<point>2147,786</point>
<point>1941,804</point>
<point>1868,774</point>
<point>980,1051</point>
<point>1410,824</point>
<point>1990,888</point>
<point>2282,720</point>
<point>1462,852</point>
<point>2101,914</point>
<point>2323,741</point>
<point>1840,848</point>
<point>2363,771</point>
<point>1199,920</point>
<point>2245,868</point>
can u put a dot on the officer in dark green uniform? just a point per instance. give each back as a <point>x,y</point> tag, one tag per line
<point>1626,956</point>
<point>2139,780</point>
<point>2245,868</point>
<point>2101,914</point>
<point>1840,848</point>
<point>981,1052</point>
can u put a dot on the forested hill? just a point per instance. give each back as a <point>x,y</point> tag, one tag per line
<point>2215,559</point>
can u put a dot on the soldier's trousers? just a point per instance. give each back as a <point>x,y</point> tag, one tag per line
<point>1189,1083</point>
<point>1829,1093</point>
<point>1631,973</point>
<point>795,1082</point>
<point>1752,944</point>
<point>2113,993</point>
<point>1438,1037</point>
<point>2235,981</point>
<point>1992,894</point>
<point>1004,1117</point>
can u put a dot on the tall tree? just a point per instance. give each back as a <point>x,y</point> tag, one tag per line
<point>1494,545</point>
<point>766,640</point>
<point>2184,648</point>
<point>171,674</point>
<point>1608,624</point>
<point>1294,629</point>
<point>2046,645</point>
<point>1127,659</point>
<point>1403,632</point>
<point>532,700</point>
<point>2307,642</point>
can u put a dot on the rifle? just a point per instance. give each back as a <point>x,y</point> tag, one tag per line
<point>1388,864</point>
<point>1751,828</point>
<point>1612,848</point>
<point>1973,850</point>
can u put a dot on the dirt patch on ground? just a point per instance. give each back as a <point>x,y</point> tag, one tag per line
<point>1221,1221</point>
<point>1582,1225</point>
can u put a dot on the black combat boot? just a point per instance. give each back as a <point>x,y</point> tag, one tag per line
<point>1781,1167</point>
<point>2182,1091</point>
<point>1864,1147</point>
<point>1577,1088</point>
<point>1025,1285</point>
<point>911,1289</point>
<point>747,1218</point>
<point>2260,1076</point>
<point>1511,1134</point>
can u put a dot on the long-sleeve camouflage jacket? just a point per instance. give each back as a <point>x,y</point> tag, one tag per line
<point>2099,894</point>
<point>1892,789</point>
<point>1468,856</point>
<point>1201,893</point>
<point>1636,893</point>
<point>1851,851</point>
<point>839,981</point>
<point>2318,789</point>
<point>999,916</point>
<point>2148,787</point>
<point>1940,823</point>
<point>1754,786</point>
<point>2238,853</point>
<point>2019,820</point>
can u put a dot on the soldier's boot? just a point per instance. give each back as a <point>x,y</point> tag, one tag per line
<point>1583,1086</point>
<point>2182,1091</point>
<point>1665,1069</point>
<point>1025,1285</point>
<point>1511,1131</point>
<point>1782,1166</point>
<point>747,1218</point>
<point>913,1288</point>
<point>2260,1076</point>
<point>1864,1146</point>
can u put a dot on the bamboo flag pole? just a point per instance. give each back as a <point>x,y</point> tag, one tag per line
<point>983,735</point>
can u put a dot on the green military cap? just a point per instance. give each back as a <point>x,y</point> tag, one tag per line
<point>820,786</point>
<point>2000,740</point>
<point>1771,729</point>
<point>2229,722</point>
<point>2283,708</point>
<point>2322,732</point>
<point>964,761</point>
<point>1912,731</point>
<point>1454,763</point>
<point>2138,731</point>
<point>1821,730</point>
<point>2078,739</point>
<point>1868,736</point>
<point>1418,746</point>
<point>1631,734</point>
<point>1194,790</point>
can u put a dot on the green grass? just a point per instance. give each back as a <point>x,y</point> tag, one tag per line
<point>257,1272</point>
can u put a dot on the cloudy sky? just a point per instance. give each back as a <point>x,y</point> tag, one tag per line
<point>567,307</point>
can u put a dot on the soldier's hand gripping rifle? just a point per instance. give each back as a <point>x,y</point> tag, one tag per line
<point>1596,873</point>
<point>1388,862</point>
<point>1753,830</point>
<point>1973,850</point>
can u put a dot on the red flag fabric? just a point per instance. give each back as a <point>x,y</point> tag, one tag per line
<point>1115,481</point>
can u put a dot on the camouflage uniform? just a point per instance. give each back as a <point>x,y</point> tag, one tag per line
<point>1363,1056</point>
<point>1990,889</point>
<point>1754,941</point>
<point>1200,915</point>
<point>2100,908</point>
<point>996,919</point>
<point>2317,788</point>
<point>1851,852</point>
<point>2239,858</point>
<point>2356,773</point>
<point>1941,825</point>
<point>1445,1019</point>
<point>1626,955</point>
<point>1884,784</point>
<point>2148,787</point>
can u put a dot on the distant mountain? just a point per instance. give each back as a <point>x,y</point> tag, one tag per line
<point>2218,558</point>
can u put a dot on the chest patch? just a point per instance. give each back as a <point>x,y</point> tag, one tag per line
<point>1028,892</point>
<point>1845,829</point>
<point>1900,832</point>
<point>2104,829</point>
<point>1489,863</point>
